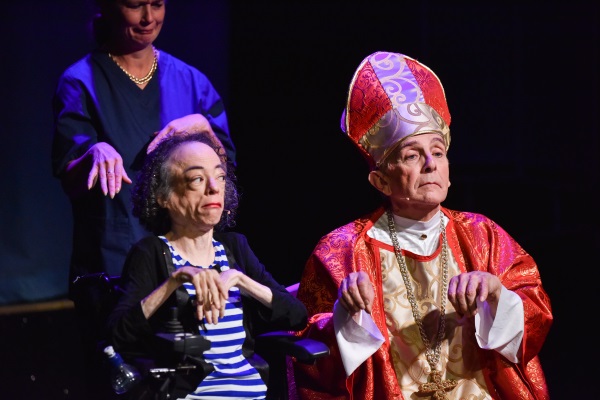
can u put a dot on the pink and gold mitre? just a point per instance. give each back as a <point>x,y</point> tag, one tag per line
<point>391,97</point>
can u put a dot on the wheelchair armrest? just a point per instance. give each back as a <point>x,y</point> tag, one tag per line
<point>306,351</point>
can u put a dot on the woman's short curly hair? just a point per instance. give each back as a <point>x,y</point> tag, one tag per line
<point>155,181</point>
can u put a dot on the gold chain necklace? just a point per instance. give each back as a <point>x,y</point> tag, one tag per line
<point>436,386</point>
<point>145,79</point>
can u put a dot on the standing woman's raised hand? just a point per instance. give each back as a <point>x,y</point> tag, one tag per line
<point>192,123</point>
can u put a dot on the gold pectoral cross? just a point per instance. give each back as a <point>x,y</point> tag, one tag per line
<point>436,386</point>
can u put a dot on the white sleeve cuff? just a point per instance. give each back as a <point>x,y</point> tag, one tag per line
<point>357,337</point>
<point>505,332</point>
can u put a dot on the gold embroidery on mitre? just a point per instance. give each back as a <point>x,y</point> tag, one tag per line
<point>399,123</point>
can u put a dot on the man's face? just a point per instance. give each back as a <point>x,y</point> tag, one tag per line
<point>417,172</point>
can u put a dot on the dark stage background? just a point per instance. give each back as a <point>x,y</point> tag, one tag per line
<point>522,83</point>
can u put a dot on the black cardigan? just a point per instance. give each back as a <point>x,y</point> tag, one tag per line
<point>148,265</point>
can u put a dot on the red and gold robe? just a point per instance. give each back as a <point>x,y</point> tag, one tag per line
<point>477,243</point>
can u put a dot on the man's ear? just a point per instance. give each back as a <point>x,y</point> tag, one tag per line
<point>380,182</point>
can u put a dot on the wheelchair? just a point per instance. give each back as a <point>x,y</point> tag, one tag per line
<point>178,356</point>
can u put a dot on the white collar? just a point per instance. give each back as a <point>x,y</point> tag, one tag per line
<point>419,237</point>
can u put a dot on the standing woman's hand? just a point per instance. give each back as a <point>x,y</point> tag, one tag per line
<point>192,123</point>
<point>100,163</point>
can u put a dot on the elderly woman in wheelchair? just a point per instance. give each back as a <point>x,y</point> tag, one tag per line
<point>192,278</point>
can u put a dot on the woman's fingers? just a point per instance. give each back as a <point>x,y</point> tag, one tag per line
<point>107,168</point>
<point>210,295</point>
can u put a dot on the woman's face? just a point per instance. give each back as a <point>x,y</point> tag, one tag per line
<point>139,22</point>
<point>198,183</point>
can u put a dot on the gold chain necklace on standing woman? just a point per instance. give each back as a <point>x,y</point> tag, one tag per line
<point>139,81</point>
<point>436,386</point>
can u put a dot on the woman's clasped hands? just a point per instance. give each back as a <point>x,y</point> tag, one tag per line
<point>211,292</point>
